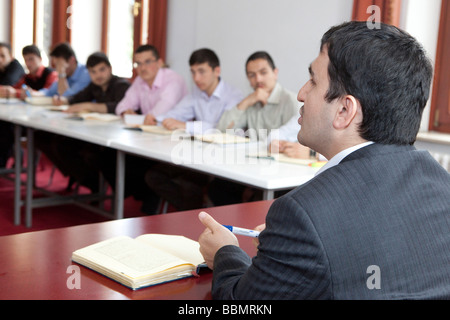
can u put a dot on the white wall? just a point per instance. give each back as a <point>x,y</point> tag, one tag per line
<point>4,21</point>
<point>421,19</point>
<point>290,30</point>
<point>86,26</point>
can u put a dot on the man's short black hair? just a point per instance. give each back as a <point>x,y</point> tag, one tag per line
<point>148,47</point>
<point>63,50</point>
<point>261,55</point>
<point>389,73</point>
<point>31,49</point>
<point>97,58</point>
<point>6,45</point>
<point>205,55</point>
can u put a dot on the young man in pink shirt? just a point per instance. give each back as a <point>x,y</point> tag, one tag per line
<point>156,90</point>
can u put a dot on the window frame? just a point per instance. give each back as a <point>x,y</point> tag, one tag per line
<point>440,101</point>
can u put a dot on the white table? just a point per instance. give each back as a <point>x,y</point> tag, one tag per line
<point>228,162</point>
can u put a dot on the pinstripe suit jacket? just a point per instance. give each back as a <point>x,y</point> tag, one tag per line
<point>382,206</point>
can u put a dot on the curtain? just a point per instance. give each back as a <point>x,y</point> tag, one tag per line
<point>61,21</point>
<point>390,10</point>
<point>157,26</point>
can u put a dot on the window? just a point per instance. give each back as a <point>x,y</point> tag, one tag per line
<point>116,27</point>
<point>31,22</point>
<point>120,36</point>
<point>440,105</point>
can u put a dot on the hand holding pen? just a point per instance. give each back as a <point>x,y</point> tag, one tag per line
<point>217,236</point>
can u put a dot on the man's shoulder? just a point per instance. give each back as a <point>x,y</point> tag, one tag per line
<point>170,74</point>
<point>15,66</point>
<point>119,81</point>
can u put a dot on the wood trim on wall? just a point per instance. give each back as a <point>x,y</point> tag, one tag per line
<point>35,20</point>
<point>138,21</point>
<point>11,24</point>
<point>440,102</point>
<point>157,26</point>
<point>390,10</point>
<point>61,33</point>
<point>105,26</point>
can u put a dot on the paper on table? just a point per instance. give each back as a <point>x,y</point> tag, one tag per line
<point>134,119</point>
<point>39,101</point>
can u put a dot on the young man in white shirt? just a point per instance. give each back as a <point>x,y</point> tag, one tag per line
<point>196,113</point>
<point>211,97</point>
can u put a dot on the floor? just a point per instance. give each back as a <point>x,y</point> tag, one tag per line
<point>51,217</point>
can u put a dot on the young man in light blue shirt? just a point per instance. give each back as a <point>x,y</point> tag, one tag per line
<point>202,109</point>
<point>72,76</point>
<point>196,113</point>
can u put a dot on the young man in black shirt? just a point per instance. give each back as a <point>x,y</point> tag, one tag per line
<point>10,72</point>
<point>75,158</point>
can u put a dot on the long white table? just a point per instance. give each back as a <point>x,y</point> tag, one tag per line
<point>229,162</point>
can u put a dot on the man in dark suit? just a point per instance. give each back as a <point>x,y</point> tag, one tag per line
<point>375,222</point>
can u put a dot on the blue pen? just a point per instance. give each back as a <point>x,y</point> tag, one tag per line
<point>243,232</point>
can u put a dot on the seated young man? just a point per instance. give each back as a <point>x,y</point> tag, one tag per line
<point>75,158</point>
<point>10,69</point>
<point>10,72</point>
<point>72,75</point>
<point>156,89</point>
<point>196,113</point>
<point>268,107</point>
<point>38,76</point>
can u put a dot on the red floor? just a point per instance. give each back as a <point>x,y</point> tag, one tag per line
<point>51,217</point>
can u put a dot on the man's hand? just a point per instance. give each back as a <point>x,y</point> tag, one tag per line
<point>150,120</point>
<point>7,92</point>
<point>290,149</point>
<point>259,228</point>
<point>213,238</point>
<point>172,124</point>
<point>86,107</point>
<point>59,101</point>
<point>259,95</point>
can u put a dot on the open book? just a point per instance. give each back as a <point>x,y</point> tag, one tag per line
<point>150,129</point>
<point>106,117</point>
<point>148,260</point>
<point>40,101</point>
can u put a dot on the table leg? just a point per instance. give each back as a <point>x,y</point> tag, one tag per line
<point>268,195</point>
<point>17,173</point>
<point>120,186</point>
<point>30,178</point>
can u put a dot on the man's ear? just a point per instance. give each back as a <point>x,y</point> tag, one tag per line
<point>217,71</point>
<point>346,112</point>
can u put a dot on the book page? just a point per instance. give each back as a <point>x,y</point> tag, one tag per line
<point>107,117</point>
<point>182,247</point>
<point>126,256</point>
<point>156,130</point>
<point>284,158</point>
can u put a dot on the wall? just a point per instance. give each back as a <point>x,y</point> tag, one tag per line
<point>290,30</point>
<point>421,19</point>
<point>4,21</point>
<point>86,26</point>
